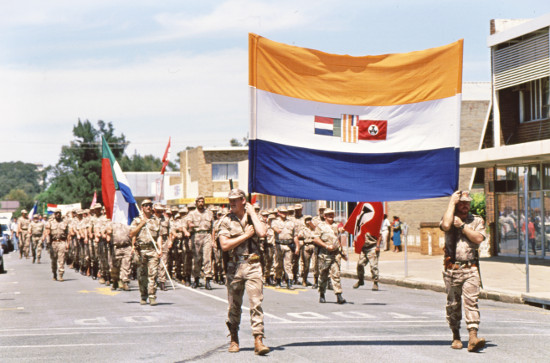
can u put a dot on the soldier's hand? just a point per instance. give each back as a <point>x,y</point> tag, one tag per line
<point>249,231</point>
<point>249,209</point>
<point>457,222</point>
<point>455,197</point>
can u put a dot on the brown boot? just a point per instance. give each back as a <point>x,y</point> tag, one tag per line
<point>125,286</point>
<point>375,286</point>
<point>234,344</point>
<point>475,343</point>
<point>457,343</point>
<point>259,347</point>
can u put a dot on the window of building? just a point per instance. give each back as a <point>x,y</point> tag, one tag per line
<point>534,100</point>
<point>225,171</point>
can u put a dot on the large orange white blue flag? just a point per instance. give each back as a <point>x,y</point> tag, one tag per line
<point>337,127</point>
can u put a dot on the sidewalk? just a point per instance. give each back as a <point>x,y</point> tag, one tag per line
<point>504,278</point>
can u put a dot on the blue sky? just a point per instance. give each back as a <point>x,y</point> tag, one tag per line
<point>179,68</point>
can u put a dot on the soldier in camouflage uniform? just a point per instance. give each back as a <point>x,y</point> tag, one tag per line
<point>268,248</point>
<point>187,246</point>
<point>36,229</point>
<point>216,250</point>
<point>148,243</point>
<point>201,221</point>
<point>369,254</point>
<point>307,247</point>
<point>239,233</point>
<point>81,234</point>
<point>315,258</point>
<point>73,256</point>
<point>58,231</point>
<point>286,247</point>
<point>166,243</point>
<point>118,235</point>
<point>176,250</point>
<point>326,237</point>
<point>23,234</point>
<point>463,234</point>
<point>103,251</point>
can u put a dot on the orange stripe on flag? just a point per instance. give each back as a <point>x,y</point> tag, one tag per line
<point>379,80</point>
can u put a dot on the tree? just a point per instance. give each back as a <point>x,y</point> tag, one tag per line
<point>235,142</point>
<point>25,201</point>
<point>21,176</point>
<point>143,163</point>
<point>478,204</point>
<point>77,174</point>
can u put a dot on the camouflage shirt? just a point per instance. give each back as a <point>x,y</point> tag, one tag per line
<point>231,227</point>
<point>144,237</point>
<point>456,241</point>
<point>59,230</point>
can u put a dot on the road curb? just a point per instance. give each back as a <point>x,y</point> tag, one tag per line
<point>506,297</point>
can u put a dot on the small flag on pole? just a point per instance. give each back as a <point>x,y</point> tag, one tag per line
<point>166,157</point>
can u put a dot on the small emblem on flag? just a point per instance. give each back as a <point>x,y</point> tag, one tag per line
<point>349,128</point>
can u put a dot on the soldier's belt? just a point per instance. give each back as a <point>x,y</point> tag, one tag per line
<point>306,242</point>
<point>460,265</point>
<point>146,246</point>
<point>284,241</point>
<point>58,240</point>
<point>201,231</point>
<point>324,251</point>
<point>37,235</point>
<point>253,258</point>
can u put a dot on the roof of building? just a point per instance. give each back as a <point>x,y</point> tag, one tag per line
<point>508,29</point>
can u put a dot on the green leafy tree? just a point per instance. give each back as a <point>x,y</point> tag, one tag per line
<point>478,204</point>
<point>77,174</point>
<point>25,201</point>
<point>21,176</point>
<point>137,162</point>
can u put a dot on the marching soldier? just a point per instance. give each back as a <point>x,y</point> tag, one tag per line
<point>23,234</point>
<point>326,237</point>
<point>369,254</point>
<point>201,221</point>
<point>315,258</point>
<point>218,260</point>
<point>148,243</point>
<point>36,228</point>
<point>102,248</point>
<point>239,232</point>
<point>166,243</point>
<point>286,246</point>
<point>464,232</point>
<point>118,235</point>
<point>308,248</point>
<point>58,231</point>
<point>81,233</point>
<point>187,246</point>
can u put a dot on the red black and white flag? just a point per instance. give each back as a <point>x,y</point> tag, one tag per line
<point>367,217</point>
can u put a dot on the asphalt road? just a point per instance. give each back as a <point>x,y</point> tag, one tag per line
<point>80,320</point>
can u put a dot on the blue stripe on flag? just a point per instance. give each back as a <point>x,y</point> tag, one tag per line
<point>129,198</point>
<point>289,171</point>
<point>323,132</point>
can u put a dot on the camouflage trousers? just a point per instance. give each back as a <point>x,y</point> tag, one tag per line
<point>202,255</point>
<point>103,257</point>
<point>368,255</point>
<point>283,260</point>
<point>148,271</point>
<point>269,257</point>
<point>461,285</point>
<point>329,265</point>
<point>58,250</point>
<point>24,243</point>
<point>36,247</point>
<point>120,264</point>
<point>240,277</point>
<point>308,253</point>
<point>162,263</point>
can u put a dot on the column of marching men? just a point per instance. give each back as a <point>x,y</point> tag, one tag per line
<point>181,244</point>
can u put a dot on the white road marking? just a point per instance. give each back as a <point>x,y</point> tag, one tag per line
<point>354,314</point>
<point>66,345</point>
<point>93,321</point>
<point>227,302</point>
<point>404,316</point>
<point>307,315</point>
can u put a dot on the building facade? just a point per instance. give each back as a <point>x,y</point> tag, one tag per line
<point>515,145</point>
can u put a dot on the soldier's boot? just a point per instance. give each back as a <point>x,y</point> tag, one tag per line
<point>315,283</point>
<point>187,281</point>
<point>115,285</point>
<point>375,286</point>
<point>270,281</point>
<point>55,276</point>
<point>234,344</point>
<point>107,282</point>
<point>207,284</point>
<point>33,259</point>
<point>60,278</point>
<point>196,283</point>
<point>322,299</point>
<point>259,347</point>
<point>475,343</point>
<point>125,286</point>
<point>288,284</point>
<point>162,286</point>
<point>340,299</point>
<point>38,260</point>
<point>153,301</point>
<point>359,282</point>
<point>101,280</point>
<point>143,300</point>
<point>457,343</point>
<point>278,283</point>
